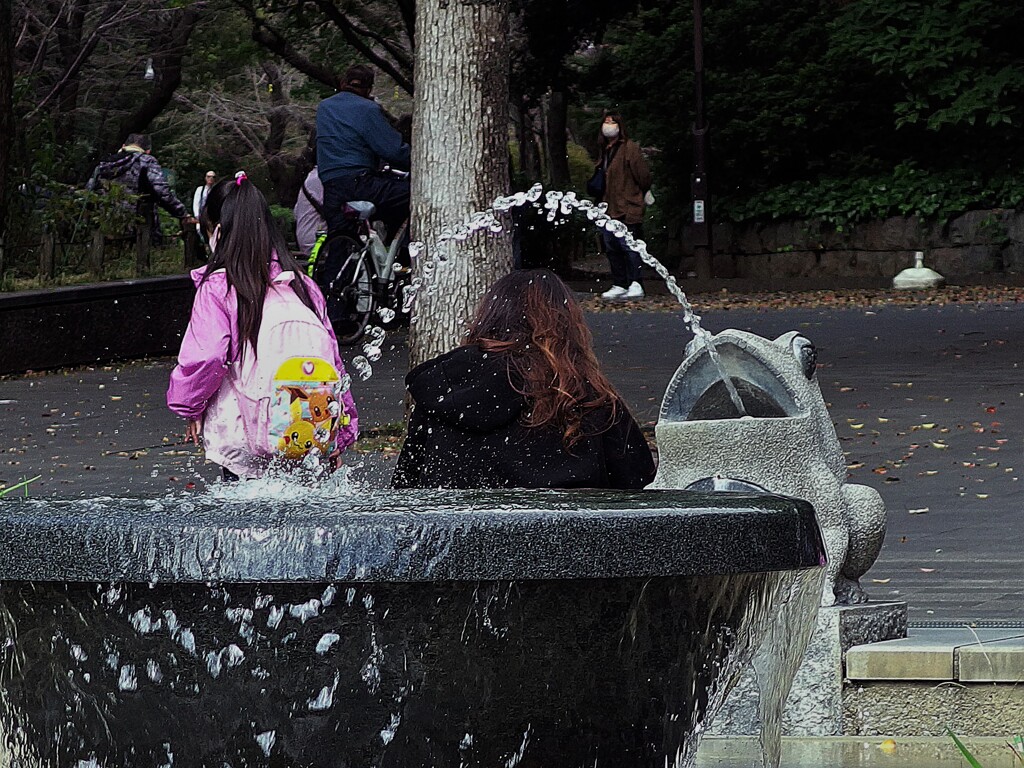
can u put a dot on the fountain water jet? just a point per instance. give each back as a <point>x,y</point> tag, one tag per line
<point>566,203</point>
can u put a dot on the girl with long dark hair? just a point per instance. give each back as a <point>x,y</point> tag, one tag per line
<point>522,403</point>
<point>250,260</point>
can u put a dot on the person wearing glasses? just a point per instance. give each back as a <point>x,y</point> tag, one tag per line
<point>199,198</point>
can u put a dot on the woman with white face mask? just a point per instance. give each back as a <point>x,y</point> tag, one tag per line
<point>626,183</point>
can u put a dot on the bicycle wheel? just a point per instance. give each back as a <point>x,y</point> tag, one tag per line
<point>343,274</point>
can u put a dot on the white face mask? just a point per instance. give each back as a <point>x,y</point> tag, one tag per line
<point>214,237</point>
<point>610,130</point>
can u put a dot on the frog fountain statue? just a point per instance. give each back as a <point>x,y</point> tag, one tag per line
<point>785,444</point>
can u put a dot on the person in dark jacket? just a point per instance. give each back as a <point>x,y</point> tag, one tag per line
<point>354,139</point>
<point>523,403</point>
<point>134,168</point>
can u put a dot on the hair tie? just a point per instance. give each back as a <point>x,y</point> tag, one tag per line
<point>239,178</point>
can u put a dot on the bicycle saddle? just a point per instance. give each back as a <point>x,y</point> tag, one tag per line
<point>361,209</point>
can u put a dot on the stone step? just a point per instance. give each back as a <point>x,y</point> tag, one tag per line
<point>962,655</point>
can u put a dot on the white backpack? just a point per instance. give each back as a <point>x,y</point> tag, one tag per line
<point>289,392</point>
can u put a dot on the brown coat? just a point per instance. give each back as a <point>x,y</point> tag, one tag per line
<point>627,179</point>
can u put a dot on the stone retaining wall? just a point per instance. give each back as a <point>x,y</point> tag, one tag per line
<point>978,242</point>
<point>93,323</point>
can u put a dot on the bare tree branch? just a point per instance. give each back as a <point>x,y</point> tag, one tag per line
<point>112,16</point>
<point>275,42</point>
<point>386,38</point>
<point>354,38</point>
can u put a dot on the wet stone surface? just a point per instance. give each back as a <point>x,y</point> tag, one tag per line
<point>478,628</point>
<point>606,672</point>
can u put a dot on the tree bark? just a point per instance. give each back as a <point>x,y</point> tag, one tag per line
<point>69,46</point>
<point>6,121</point>
<point>460,159</point>
<point>529,156</point>
<point>557,138</point>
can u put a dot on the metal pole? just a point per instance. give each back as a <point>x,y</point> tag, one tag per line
<point>700,210</point>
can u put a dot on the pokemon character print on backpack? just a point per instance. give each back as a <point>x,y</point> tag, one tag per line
<point>306,410</point>
<point>289,392</point>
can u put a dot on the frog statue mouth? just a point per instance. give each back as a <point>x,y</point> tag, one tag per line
<point>697,392</point>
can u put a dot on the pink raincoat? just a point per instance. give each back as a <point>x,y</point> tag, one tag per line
<point>199,387</point>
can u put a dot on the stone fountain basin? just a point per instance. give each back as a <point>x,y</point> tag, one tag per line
<point>414,629</point>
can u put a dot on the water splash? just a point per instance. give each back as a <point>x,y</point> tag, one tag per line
<point>362,367</point>
<point>288,484</point>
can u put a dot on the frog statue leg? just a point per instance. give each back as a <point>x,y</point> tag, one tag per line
<point>865,514</point>
<point>837,540</point>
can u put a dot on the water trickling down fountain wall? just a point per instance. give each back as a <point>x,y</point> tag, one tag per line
<point>413,629</point>
<point>787,445</point>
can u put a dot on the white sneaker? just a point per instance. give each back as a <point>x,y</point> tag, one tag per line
<point>635,291</point>
<point>616,292</point>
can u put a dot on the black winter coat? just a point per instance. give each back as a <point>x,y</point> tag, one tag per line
<point>466,431</point>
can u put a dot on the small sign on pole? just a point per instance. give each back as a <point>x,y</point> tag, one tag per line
<point>698,211</point>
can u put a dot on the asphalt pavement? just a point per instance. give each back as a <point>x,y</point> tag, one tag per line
<point>928,405</point>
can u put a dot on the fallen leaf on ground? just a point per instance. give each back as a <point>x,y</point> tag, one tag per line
<point>920,511</point>
<point>927,570</point>
<point>880,581</point>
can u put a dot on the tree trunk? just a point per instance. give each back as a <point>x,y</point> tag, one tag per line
<point>529,157</point>
<point>6,122</point>
<point>557,133</point>
<point>168,66</point>
<point>460,159</point>
<point>69,47</point>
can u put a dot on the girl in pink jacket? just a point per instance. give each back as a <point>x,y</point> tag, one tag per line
<point>259,375</point>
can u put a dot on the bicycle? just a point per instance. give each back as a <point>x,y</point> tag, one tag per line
<point>360,275</point>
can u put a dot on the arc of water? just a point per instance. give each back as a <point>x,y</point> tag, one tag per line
<point>567,203</point>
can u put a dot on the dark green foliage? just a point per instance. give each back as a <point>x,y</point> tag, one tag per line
<point>839,111</point>
<point>955,62</point>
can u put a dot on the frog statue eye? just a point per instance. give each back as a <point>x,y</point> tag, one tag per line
<point>806,355</point>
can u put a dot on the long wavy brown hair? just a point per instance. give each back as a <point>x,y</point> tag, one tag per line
<point>532,317</point>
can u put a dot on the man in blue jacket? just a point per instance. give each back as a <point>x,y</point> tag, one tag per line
<point>354,139</point>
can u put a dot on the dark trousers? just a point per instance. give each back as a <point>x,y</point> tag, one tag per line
<point>625,264</point>
<point>390,195</point>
